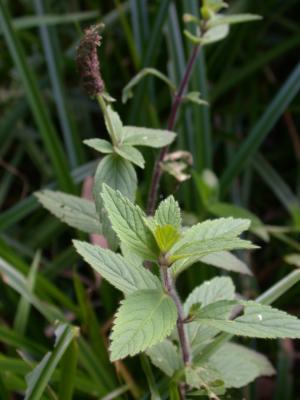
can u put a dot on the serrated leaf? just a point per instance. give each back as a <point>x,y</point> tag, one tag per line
<point>128,222</point>
<point>222,259</point>
<point>127,91</point>
<point>210,237</point>
<point>114,125</point>
<point>38,379</point>
<point>166,236</point>
<point>72,210</point>
<point>131,154</point>
<point>118,174</point>
<point>144,319</point>
<point>230,210</point>
<point>239,365</point>
<point>206,378</point>
<point>258,320</point>
<point>123,275</point>
<point>232,19</point>
<point>219,288</point>
<point>101,145</point>
<point>138,136</point>
<point>166,357</point>
<point>168,213</point>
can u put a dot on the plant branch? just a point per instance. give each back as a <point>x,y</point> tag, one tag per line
<point>157,173</point>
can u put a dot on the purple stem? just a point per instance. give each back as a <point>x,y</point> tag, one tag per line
<point>157,173</point>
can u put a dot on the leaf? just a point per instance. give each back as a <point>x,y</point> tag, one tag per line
<point>119,272</point>
<point>219,288</point>
<point>213,35</point>
<point>209,292</point>
<point>293,259</point>
<point>128,222</point>
<point>144,319</point>
<point>206,378</point>
<point>119,174</point>
<point>239,365</point>
<point>210,237</point>
<point>195,98</point>
<point>127,91</point>
<point>74,211</point>
<point>230,210</point>
<point>138,136</point>
<point>260,321</point>
<point>38,379</point>
<point>166,236</point>
<point>101,145</point>
<point>232,19</point>
<point>113,124</point>
<point>168,213</point>
<point>131,154</point>
<point>165,356</point>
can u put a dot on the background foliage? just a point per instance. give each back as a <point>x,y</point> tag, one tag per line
<point>248,137</point>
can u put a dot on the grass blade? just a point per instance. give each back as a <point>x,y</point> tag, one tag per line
<point>39,109</point>
<point>68,371</point>
<point>262,128</point>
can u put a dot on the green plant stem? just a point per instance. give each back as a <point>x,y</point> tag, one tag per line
<point>157,173</point>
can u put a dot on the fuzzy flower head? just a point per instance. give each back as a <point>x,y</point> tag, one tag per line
<point>88,63</point>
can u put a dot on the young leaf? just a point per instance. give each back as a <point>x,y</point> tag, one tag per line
<point>101,145</point>
<point>120,273</point>
<point>165,356</point>
<point>38,379</point>
<point>144,319</point>
<point>293,259</point>
<point>195,98</point>
<point>138,136</point>
<point>128,222</point>
<point>166,236</point>
<point>239,365</point>
<point>168,213</point>
<point>258,320</point>
<point>213,35</point>
<point>127,91</point>
<point>131,154</point>
<point>232,19</point>
<point>74,211</point>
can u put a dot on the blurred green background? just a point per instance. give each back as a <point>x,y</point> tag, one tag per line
<point>248,136</point>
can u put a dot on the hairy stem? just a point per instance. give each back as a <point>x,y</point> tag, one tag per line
<point>157,173</point>
<point>170,288</point>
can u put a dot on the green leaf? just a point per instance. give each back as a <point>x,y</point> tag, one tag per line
<point>166,357</point>
<point>138,136</point>
<point>239,365</point>
<point>258,320</point>
<point>166,236</point>
<point>195,97</point>
<point>213,35</point>
<point>68,376</point>
<point>104,146</point>
<point>128,222</point>
<point>113,124</point>
<point>72,210</point>
<point>210,237</point>
<point>206,378</point>
<point>127,91</point>
<point>144,319</point>
<point>168,213</point>
<point>117,270</point>
<point>293,259</point>
<point>131,154</point>
<point>231,210</point>
<point>232,19</point>
<point>118,174</point>
<point>38,379</point>
<point>209,292</point>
